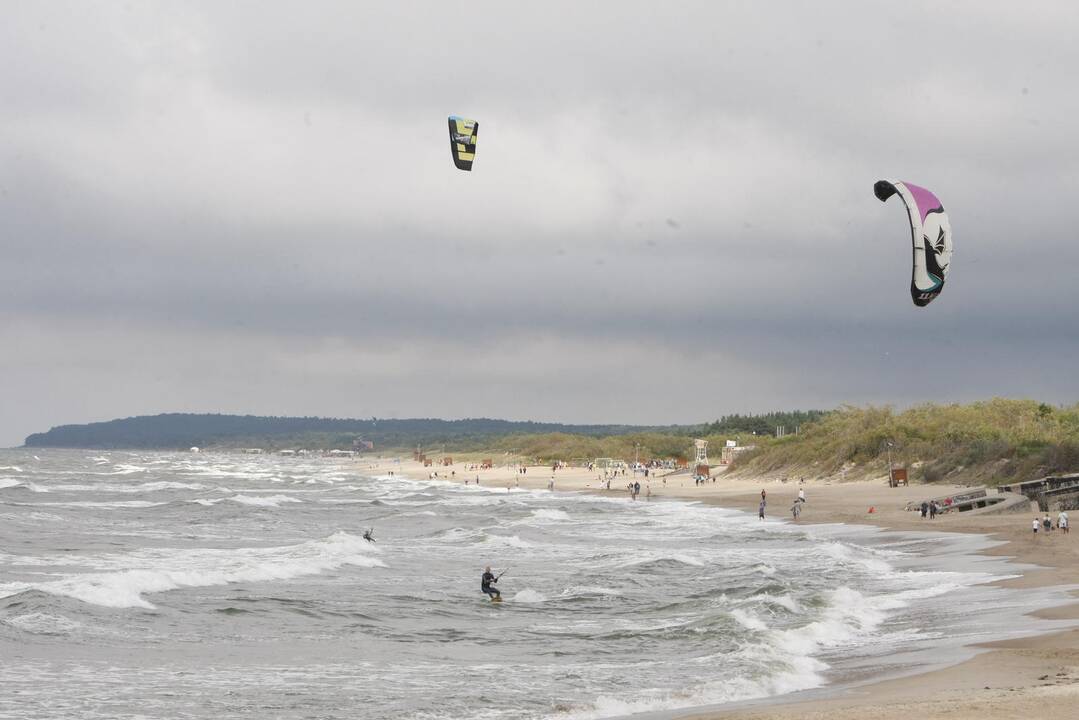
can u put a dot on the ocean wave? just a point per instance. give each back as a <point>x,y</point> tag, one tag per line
<point>9,483</point>
<point>271,501</point>
<point>508,540</point>
<point>92,504</point>
<point>39,623</point>
<point>662,560</point>
<point>550,514</point>
<point>180,568</point>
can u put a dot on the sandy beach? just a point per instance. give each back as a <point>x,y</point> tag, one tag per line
<point>1010,679</point>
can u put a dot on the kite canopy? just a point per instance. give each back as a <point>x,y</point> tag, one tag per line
<point>931,235</point>
<point>463,134</point>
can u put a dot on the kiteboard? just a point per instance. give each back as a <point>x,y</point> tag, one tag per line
<point>496,598</point>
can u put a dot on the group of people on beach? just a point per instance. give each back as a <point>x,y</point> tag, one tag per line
<point>930,509</point>
<point>1046,525</point>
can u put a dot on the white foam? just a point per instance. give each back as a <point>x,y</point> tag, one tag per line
<point>271,501</point>
<point>44,624</point>
<point>510,540</point>
<point>9,483</point>
<point>550,514</point>
<point>169,569</point>
<point>16,468</point>
<point>748,620</point>
<point>578,590</point>
<point>529,596</point>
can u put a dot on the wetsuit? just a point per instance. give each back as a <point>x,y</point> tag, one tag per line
<point>485,585</point>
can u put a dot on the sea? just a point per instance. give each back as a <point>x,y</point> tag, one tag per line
<point>218,585</point>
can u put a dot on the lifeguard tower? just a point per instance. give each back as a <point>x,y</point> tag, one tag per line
<point>702,451</point>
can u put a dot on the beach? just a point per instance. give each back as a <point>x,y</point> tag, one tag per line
<point>1008,679</point>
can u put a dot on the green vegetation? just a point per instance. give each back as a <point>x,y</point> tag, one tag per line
<point>176,431</point>
<point>182,430</point>
<point>984,442</point>
<point>762,424</point>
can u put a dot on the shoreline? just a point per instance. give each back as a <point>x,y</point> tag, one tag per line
<point>1010,678</point>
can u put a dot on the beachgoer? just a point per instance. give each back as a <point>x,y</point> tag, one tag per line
<point>932,509</point>
<point>1047,524</point>
<point>636,489</point>
<point>925,509</point>
<point>760,510</point>
<point>1035,526</point>
<point>487,581</point>
<point>801,495</point>
<point>796,510</point>
<point>1062,521</point>
<point>764,497</point>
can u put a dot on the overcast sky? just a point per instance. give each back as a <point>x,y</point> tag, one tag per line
<point>251,208</point>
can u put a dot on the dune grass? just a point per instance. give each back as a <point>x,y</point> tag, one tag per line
<point>983,442</point>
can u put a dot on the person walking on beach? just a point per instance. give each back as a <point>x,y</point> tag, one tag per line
<point>1035,526</point>
<point>636,489</point>
<point>796,510</point>
<point>1062,522</point>
<point>764,497</point>
<point>760,510</point>
<point>801,495</point>
<point>1047,524</point>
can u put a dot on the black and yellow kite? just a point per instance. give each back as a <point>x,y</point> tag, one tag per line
<point>463,134</point>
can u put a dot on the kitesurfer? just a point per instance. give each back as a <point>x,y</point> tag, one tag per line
<point>368,535</point>
<point>487,581</point>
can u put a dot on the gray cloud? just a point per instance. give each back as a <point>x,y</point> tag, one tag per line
<point>251,208</point>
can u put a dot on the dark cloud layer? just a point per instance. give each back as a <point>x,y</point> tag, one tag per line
<point>250,207</point>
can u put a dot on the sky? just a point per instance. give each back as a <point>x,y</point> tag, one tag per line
<point>250,207</point>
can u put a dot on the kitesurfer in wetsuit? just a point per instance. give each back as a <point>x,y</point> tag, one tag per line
<point>486,581</point>
<point>367,535</point>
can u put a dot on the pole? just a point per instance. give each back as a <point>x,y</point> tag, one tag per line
<point>890,481</point>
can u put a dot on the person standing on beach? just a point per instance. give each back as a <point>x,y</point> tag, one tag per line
<point>1047,524</point>
<point>1036,523</point>
<point>764,497</point>
<point>1062,521</point>
<point>636,489</point>
<point>801,495</point>
<point>796,510</point>
<point>760,509</point>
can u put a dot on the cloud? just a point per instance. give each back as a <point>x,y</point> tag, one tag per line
<point>251,208</point>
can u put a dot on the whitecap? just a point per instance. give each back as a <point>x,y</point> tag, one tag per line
<point>529,596</point>
<point>170,569</point>
<point>271,501</point>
